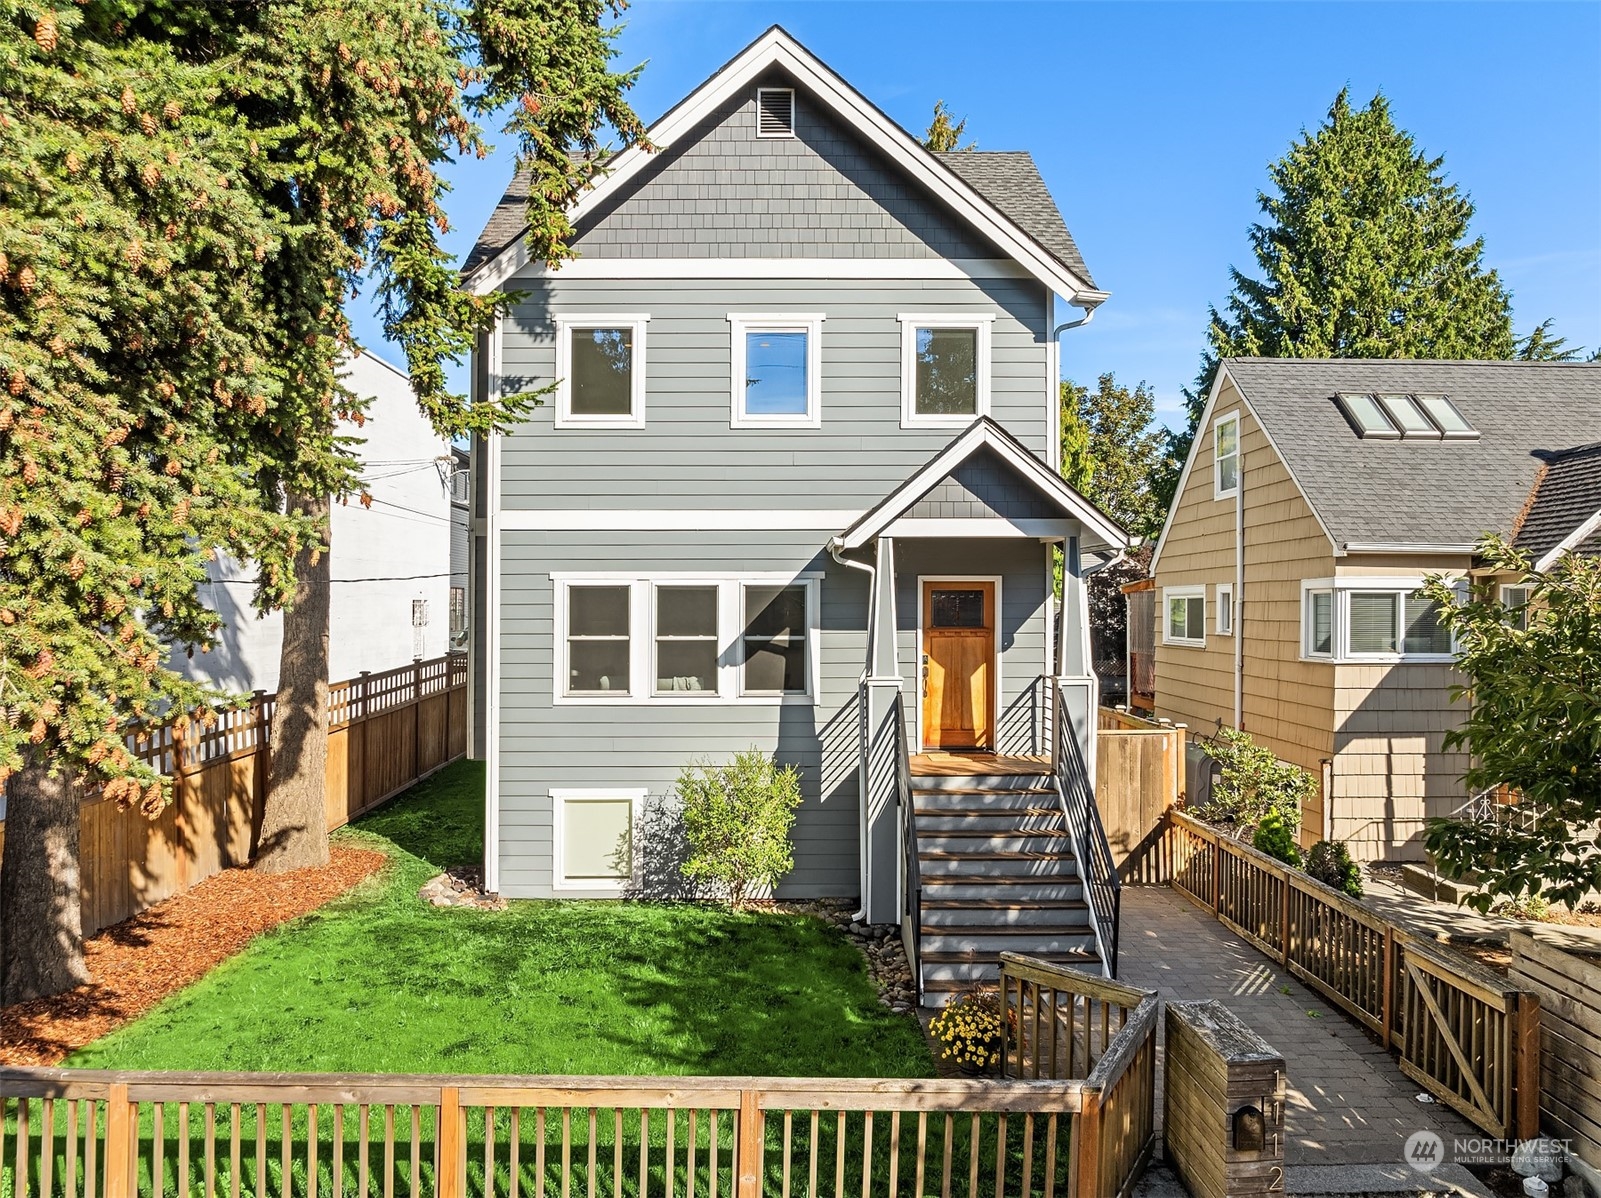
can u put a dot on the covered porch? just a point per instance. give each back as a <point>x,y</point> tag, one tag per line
<point>977,705</point>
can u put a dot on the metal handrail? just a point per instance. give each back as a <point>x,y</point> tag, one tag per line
<point>1076,794</point>
<point>912,902</point>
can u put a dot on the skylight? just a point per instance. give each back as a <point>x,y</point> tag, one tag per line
<point>1364,412</point>
<point>1390,417</point>
<point>1443,412</point>
<point>1407,416</point>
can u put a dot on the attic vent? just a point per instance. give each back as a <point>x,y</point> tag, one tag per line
<point>775,112</point>
<point>1390,417</point>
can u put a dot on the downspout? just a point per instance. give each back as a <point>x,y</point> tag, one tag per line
<point>1238,614</point>
<point>835,552</point>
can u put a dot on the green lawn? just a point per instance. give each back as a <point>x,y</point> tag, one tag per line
<point>377,982</point>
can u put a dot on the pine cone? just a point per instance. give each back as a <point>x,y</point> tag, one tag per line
<point>46,33</point>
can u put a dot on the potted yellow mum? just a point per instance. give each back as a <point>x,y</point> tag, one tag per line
<point>968,1030</point>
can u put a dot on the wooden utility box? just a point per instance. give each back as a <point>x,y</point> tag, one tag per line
<point>1223,1104</point>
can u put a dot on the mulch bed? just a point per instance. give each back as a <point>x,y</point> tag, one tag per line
<point>142,960</point>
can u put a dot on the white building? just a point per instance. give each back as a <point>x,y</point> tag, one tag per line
<point>391,562</point>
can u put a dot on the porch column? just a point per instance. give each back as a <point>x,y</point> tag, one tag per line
<point>1075,673</point>
<point>881,898</point>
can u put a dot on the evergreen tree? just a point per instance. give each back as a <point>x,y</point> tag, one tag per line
<point>1112,450</point>
<point>188,193</point>
<point>1541,346</point>
<point>1364,252</point>
<point>943,134</point>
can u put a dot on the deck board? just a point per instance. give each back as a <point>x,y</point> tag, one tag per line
<point>961,765</point>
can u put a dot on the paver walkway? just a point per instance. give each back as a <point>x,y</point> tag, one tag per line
<point>1348,1105</point>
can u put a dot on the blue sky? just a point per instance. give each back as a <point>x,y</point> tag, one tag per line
<point>1153,125</point>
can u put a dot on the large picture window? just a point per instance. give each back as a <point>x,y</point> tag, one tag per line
<point>945,370</point>
<point>776,366</point>
<point>1372,619</point>
<point>600,371</point>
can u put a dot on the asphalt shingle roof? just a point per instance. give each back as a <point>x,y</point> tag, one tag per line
<point>1566,494</point>
<point>1010,181</point>
<point>505,225</point>
<point>1421,492</point>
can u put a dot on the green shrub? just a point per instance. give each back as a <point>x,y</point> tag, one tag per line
<point>1275,837</point>
<point>737,819</point>
<point>1253,783</point>
<point>1329,861</point>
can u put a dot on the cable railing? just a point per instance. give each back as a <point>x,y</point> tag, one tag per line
<point>1076,793</point>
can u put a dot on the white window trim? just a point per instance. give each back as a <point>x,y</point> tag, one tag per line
<point>558,866</point>
<point>565,324</point>
<point>1218,490</point>
<point>911,322</point>
<point>763,91</point>
<point>1342,587</point>
<point>741,323</point>
<point>730,639</point>
<point>1526,588</point>
<point>1224,590</point>
<point>1183,592</point>
<point>1307,653</point>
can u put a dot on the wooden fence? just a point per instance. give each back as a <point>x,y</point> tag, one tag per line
<point>1139,777</point>
<point>385,732</point>
<point>1460,1030</point>
<point>1562,966</point>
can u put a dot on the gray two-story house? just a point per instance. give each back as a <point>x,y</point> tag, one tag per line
<point>795,487</point>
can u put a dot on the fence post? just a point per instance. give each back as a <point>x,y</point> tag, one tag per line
<point>260,762</point>
<point>1086,1148</point>
<point>358,711</point>
<point>751,1134</point>
<point>416,718</point>
<point>119,1142</point>
<point>1525,1115</point>
<point>181,814</point>
<point>1217,873</point>
<point>1387,980</point>
<point>450,1178</point>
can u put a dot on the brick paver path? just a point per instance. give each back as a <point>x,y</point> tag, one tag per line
<point>1348,1102</point>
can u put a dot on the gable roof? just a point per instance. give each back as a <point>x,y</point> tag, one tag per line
<point>1011,217</point>
<point>1564,509</point>
<point>1372,493</point>
<point>982,437</point>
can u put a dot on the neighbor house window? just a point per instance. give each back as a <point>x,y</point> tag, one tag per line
<point>458,612</point>
<point>1515,598</point>
<point>775,640</point>
<point>594,838</point>
<point>1226,456</point>
<point>600,371</point>
<point>1225,609</point>
<point>776,368</point>
<point>686,640</point>
<point>598,640</point>
<point>1361,619</point>
<point>945,367</point>
<point>1186,615</point>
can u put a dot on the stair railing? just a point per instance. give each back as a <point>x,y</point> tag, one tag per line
<point>912,883</point>
<point>1075,791</point>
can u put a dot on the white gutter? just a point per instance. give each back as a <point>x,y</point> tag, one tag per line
<point>861,766</point>
<point>1399,547</point>
<point>1089,315</point>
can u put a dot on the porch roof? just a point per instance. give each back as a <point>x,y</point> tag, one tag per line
<point>1026,475</point>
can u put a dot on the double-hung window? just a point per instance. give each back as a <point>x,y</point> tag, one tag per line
<point>1372,619</point>
<point>1226,456</point>
<point>775,658</point>
<point>945,370</point>
<point>1184,620</point>
<point>686,640</point>
<point>599,640</point>
<point>600,371</point>
<point>776,377</point>
<point>1515,598</point>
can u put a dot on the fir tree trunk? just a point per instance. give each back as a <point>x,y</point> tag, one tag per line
<point>294,826</point>
<point>41,923</point>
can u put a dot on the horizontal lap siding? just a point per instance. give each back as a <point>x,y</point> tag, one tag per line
<point>544,745</point>
<point>688,456</point>
<point>1287,703</point>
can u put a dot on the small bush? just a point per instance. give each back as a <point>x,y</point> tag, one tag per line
<point>1253,783</point>
<point>737,819</point>
<point>968,1030</point>
<point>1276,838</point>
<point>1329,861</point>
<point>1527,908</point>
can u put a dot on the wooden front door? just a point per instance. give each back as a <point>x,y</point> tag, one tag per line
<point>958,665</point>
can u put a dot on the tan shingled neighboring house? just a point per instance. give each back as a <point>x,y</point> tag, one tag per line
<point>1318,495</point>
